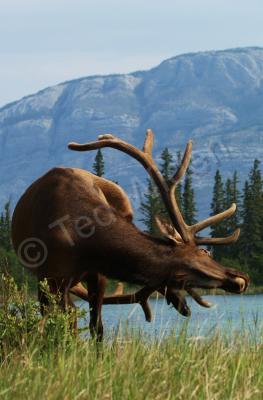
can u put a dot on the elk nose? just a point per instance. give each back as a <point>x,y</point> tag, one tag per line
<point>241,283</point>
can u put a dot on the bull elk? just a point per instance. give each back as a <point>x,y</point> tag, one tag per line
<point>82,224</point>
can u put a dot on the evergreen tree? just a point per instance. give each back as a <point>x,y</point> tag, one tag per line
<point>244,243</point>
<point>235,220</point>
<point>232,195</point>
<point>189,207</point>
<point>153,204</point>
<point>228,193</point>
<point>2,231</point>
<point>151,207</point>
<point>98,166</point>
<point>251,241</point>
<point>5,228</point>
<point>217,206</point>
<point>166,169</point>
<point>166,166</point>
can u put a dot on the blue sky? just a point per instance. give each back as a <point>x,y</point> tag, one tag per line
<point>45,42</point>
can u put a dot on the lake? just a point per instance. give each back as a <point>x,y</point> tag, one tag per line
<point>230,314</point>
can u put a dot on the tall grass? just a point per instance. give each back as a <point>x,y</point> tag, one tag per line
<point>43,359</point>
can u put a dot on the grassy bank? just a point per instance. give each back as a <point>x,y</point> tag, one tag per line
<point>129,368</point>
<point>43,359</point>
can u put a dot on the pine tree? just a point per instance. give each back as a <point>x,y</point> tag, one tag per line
<point>228,193</point>
<point>166,169</point>
<point>166,166</point>
<point>153,204</point>
<point>235,220</point>
<point>217,206</point>
<point>8,260</point>
<point>244,242</point>
<point>232,195</point>
<point>98,166</point>
<point>189,207</point>
<point>151,207</point>
<point>5,228</point>
<point>251,241</point>
<point>2,234</point>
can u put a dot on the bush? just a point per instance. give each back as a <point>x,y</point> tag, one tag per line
<point>9,263</point>
<point>22,325</point>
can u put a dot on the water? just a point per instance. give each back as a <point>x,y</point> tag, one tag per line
<point>230,314</point>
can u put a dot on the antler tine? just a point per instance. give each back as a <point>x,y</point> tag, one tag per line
<point>148,144</point>
<point>181,226</point>
<point>185,230</point>
<point>190,231</point>
<point>211,221</point>
<point>108,140</point>
<point>184,164</point>
<point>213,241</point>
<point>97,144</point>
<point>113,141</point>
<point>214,219</point>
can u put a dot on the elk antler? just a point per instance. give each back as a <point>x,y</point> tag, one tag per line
<point>167,191</point>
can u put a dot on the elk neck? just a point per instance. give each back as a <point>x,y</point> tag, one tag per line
<point>130,255</point>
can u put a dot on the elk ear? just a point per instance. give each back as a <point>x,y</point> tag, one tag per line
<point>168,230</point>
<point>165,228</point>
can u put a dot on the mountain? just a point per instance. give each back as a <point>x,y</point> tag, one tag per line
<point>214,97</point>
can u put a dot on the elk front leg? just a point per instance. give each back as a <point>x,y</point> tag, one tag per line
<point>96,289</point>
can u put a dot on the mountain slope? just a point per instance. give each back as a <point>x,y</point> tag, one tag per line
<point>215,98</point>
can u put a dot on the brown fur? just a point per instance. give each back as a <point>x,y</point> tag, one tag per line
<point>115,249</point>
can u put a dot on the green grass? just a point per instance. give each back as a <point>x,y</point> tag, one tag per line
<point>45,360</point>
<point>132,369</point>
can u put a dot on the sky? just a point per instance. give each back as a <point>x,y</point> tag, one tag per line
<point>47,42</point>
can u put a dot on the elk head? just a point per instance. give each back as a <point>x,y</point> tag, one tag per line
<point>193,267</point>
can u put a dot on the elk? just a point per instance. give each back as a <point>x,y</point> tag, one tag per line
<point>83,226</point>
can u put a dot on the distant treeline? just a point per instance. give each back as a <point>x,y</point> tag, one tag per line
<point>246,254</point>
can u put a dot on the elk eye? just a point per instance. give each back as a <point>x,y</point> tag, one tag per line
<point>205,251</point>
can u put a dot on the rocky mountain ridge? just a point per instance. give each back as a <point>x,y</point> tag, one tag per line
<point>215,98</point>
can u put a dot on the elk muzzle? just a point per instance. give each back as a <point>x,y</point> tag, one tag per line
<point>207,273</point>
<point>237,284</point>
<point>242,284</point>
